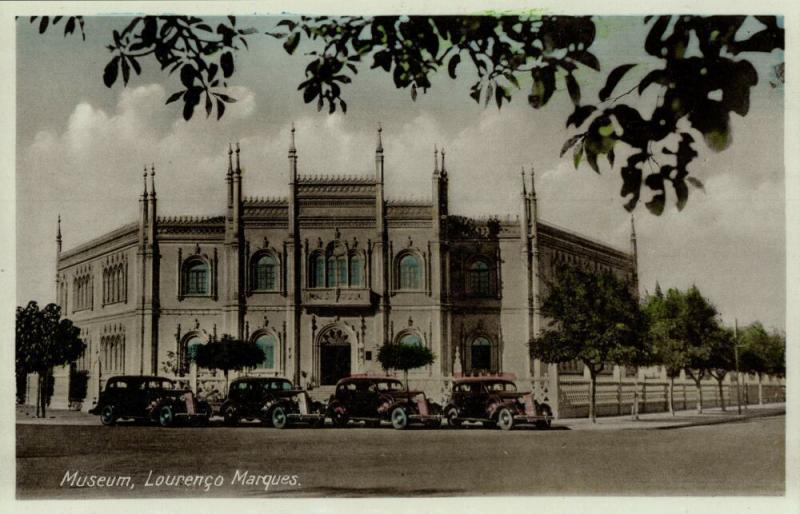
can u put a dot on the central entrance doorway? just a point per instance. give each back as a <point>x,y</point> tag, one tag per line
<point>334,356</point>
<point>335,363</point>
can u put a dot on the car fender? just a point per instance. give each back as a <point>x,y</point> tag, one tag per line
<point>332,406</point>
<point>407,405</point>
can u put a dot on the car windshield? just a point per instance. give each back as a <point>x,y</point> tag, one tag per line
<point>501,386</point>
<point>390,385</point>
<point>282,385</point>
<point>160,384</point>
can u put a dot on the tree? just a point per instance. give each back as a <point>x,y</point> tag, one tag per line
<point>682,328</point>
<point>44,341</point>
<point>721,358</point>
<point>662,314</point>
<point>693,89</point>
<point>404,357</point>
<point>228,354</point>
<point>594,318</point>
<point>762,353</point>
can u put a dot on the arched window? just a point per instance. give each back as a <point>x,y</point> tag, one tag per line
<point>478,279</point>
<point>481,353</point>
<point>191,348</point>
<point>410,340</point>
<point>356,271</point>
<point>330,272</point>
<point>267,344</point>
<point>317,270</point>
<point>410,272</point>
<point>265,273</point>
<point>195,277</point>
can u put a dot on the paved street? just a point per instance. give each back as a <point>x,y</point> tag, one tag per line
<point>741,458</point>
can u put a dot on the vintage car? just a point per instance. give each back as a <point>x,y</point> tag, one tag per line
<point>273,400</point>
<point>494,401</point>
<point>374,399</point>
<point>149,398</point>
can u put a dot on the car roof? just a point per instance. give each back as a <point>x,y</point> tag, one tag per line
<point>262,379</point>
<point>374,378</point>
<point>467,380</point>
<point>139,377</point>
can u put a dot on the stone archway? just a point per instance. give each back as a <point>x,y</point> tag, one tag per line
<point>335,354</point>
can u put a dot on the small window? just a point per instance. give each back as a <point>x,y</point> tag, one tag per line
<point>410,272</point>
<point>356,271</point>
<point>196,278</point>
<point>192,346</point>
<point>317,271</point>
<point>265,273</point>
<point>267,344</point>
<point>411,340</point>
<point>330,273</point>
<point>481,353</point>
<point>478,277</point>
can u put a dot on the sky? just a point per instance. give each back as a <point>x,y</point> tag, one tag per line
<point>81,148</point>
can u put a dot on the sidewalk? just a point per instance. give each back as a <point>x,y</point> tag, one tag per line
<point>664,420</point>
<point>657,420</point>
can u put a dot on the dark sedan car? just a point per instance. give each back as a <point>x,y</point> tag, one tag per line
<point>149,398</point>
<point>494,401</point>
<point>374,399</point>
<point>273,400</point>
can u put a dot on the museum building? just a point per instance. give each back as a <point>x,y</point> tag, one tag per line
<point>319,280</point>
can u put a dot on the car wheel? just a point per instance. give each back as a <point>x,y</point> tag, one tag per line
<point>166,416</point>
<point>231,418</point>
<point>505,419</point>
<point>399,418</point>
<point>107,416</point>
<point>340,417</point>
<point>452,418</point>
<point>545,423</point>
<point>279,417</point>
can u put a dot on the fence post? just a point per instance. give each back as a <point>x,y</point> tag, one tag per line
<point>644,394</point>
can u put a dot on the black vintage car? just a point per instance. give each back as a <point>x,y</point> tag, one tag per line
<point>149,398</point>
<point>494,401</point>
<point>273,400</point>
<point>374,399</point>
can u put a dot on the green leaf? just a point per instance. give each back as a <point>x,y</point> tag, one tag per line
<point>110,72</point>
<point>574,89</point>
<point>451,66</point>
<point>291,43</point>
<point>570,143</point>
<point>577,155</point>
<point>613,79</point>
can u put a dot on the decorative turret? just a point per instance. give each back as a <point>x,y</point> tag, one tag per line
<point>292,184</point>
<point>634,258</point>
<point>58,236</point>
<point>439,199</point>
<point>152,210</point>
<point>143,212</point>
<point>379,157</point>
<point>237,193</point>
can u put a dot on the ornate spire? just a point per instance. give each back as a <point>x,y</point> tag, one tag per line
<point>633,228</point>
<point>230,159</point>
<point>238,167</point>
<point>524,189</point>
<point>435,159</point>
<point>292,149</point>
<point>152,180</point>
<point>533,184</point>
<point>144,180</point>
<point>444,170</point>
<point>379,148</point>
<point>58,234</point>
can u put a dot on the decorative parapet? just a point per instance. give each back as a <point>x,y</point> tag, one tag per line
<point>337,297</point>
<point>335,179</point>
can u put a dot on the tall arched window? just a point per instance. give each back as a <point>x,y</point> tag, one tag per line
<point>195,277</point>
<point>410,272</point>
<point>481,353</point>
<point>265,273</point>
<point>190,353</point>
<point>410,340</point>
<point>356,271</point>
<point>267,344</point>
<point>478,279</point>
<point>341,271</point>
<point>316,275</point>
<point>330,272</point>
